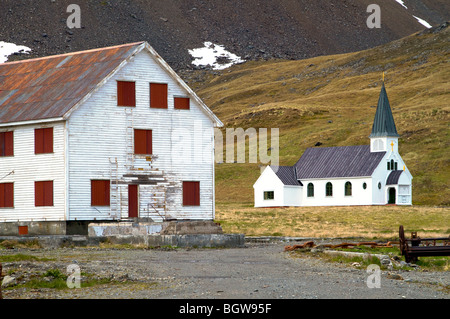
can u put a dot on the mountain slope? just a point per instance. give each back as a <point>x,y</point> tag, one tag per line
<point>252,29</point>
<point>331,100</point>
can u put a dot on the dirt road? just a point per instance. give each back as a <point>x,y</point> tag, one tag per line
<point>254,272</point>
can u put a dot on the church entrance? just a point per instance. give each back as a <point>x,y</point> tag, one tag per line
<point>391,195</point>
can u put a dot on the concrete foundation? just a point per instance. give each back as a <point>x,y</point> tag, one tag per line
<point>152,234</point>
<point>156,240</point>
<point>191,227</point>
<point>31,228</point>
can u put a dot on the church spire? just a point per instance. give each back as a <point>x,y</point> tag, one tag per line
<point>383,123</point>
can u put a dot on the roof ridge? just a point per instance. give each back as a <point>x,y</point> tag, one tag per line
<point>73,53</point>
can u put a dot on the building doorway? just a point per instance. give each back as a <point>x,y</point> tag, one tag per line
<point>391,195</point>
<point>133,201</point>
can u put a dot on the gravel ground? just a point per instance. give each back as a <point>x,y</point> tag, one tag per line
<point>257,271</point>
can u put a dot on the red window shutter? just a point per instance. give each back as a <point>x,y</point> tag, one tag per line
<point>106,187</point>
<point>9,144</point>
<point>100,192</point>
<point>126,93</point>
<point>43,193</point>
<point>48,140</point>
<point>181,103</point>
<point>38,194</point>
<point>191,193</point>
<point>48,193</point>
<point>2,144</point>
<point>158,95</point>
<point>6,144</point>
<point>2,195</point>
<point>43,140</point>
<point>8,191</point>
<point>149,142</point>
<point>95,191</point>
<point>143,141</point>
<point>38,141</point>
<point>140,137</point>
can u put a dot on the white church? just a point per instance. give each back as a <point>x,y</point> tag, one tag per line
<point>372,174</point>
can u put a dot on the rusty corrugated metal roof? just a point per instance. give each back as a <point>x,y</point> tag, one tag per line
<point>342,161</point>
<point>49,87</point>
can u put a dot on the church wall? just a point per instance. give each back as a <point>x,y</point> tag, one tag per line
<point>268,182</point>
<point>359,195</point>
<point>293,195</point>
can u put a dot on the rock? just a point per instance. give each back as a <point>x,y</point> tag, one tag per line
<point>8,281</point>
<point>394,276</point>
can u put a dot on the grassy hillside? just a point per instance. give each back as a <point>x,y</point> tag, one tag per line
<point>332,99</point>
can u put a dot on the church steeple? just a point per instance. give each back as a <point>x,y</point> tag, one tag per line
<point>383,124</point>
<point>384,132</point>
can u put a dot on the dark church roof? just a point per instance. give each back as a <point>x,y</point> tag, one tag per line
<point>344,161</point>
<point>383,123</point>
<point>287,175</point>
<point>393,177</point>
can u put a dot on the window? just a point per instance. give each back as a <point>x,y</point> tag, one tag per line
<point>181,103</point>
<point>158,95</point>
<point>269,195</point>
<point>191,193</point>
<point>310,190</point>
<point>348,189</point>
<point>100,192</point>
<point>388,166</point>
<point>329,189</point>
<point>395,166</point>
<point>43,140</point>
<point>126,93</point>
<point>364,185</point>
<point>379,185</point>
<point>43,193</point>
<point>6,144</point>
<point>23,230</point>
<point>143,142</point>
<point>6,195</point>
<point>378,145</point>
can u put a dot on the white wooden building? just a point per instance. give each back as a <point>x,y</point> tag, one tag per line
<point>372,174</point>
<point>102,135</point>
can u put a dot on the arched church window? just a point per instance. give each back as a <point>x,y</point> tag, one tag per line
<point>310,190</point>
<point>329,189</point>
<point>348,189</point>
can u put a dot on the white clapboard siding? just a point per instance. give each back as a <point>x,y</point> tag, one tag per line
<point>28,168</point>
<point>98,134</point>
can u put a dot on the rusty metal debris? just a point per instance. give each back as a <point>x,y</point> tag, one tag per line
<point>311,244</point>
<point>420,247</point>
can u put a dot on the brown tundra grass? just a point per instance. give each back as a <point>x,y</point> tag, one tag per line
<point>374,222</point>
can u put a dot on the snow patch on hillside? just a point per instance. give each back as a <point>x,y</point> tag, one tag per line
<point>402,3</point>
<point>423,22</point>
<point>214,55</point>
<point>6,49</point>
